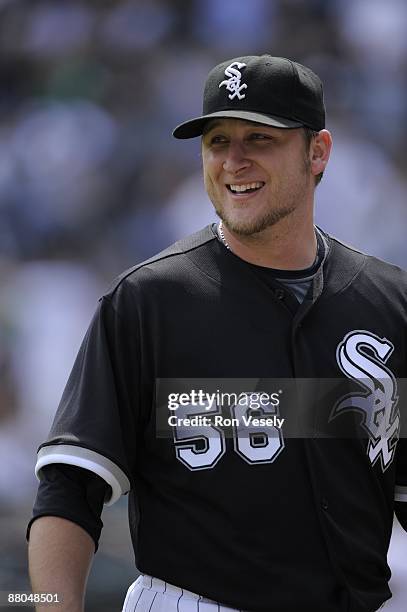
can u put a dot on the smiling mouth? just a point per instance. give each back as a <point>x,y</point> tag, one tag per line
<point>246,188</point>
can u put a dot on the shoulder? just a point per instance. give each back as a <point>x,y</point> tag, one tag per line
<point>373,265</point>
<point>349,266</point>
<point>171,264</point>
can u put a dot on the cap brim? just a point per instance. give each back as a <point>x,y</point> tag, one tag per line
<point>195,127</point>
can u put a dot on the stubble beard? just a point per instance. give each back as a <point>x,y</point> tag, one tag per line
<point>255,225</point>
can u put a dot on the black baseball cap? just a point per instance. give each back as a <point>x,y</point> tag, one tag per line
<point>271,90</point>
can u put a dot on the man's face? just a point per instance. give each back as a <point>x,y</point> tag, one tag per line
<point>255,174</point>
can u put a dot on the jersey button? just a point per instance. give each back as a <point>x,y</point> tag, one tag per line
<point>279,293</point>
<point>324,503</point>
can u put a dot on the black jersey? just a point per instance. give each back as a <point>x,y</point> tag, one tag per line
<point>267,522</point>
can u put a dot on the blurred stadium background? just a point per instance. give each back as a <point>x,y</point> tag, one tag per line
<point>91,182</point>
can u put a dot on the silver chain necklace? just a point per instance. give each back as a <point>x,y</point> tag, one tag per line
<point>222,235</point>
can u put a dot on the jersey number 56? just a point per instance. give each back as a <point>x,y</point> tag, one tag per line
<point>200,447</point>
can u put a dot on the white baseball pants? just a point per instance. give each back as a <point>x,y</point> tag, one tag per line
<point>149,594</point>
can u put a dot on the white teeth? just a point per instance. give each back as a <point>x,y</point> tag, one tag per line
<point>242,188</point>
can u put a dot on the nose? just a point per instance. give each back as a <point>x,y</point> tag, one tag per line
<point>235,158</point>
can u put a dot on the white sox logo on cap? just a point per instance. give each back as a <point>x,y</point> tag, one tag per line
<point>277,92</point>
<point>233,82</point>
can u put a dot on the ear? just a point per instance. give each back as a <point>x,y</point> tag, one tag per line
<point>320,151</point>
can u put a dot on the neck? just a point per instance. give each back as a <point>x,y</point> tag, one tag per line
<point>283,246</point>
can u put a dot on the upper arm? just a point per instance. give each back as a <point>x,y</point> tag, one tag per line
<point>95,425</point>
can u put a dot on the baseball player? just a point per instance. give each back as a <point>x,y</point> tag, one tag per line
<point>246,504</point>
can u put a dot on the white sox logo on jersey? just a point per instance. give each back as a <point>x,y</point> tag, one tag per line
<point>362,356</point>
<point>233,82</point>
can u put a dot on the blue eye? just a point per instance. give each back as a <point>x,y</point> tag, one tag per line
<point>218,139</point>
<point>259,136</point>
